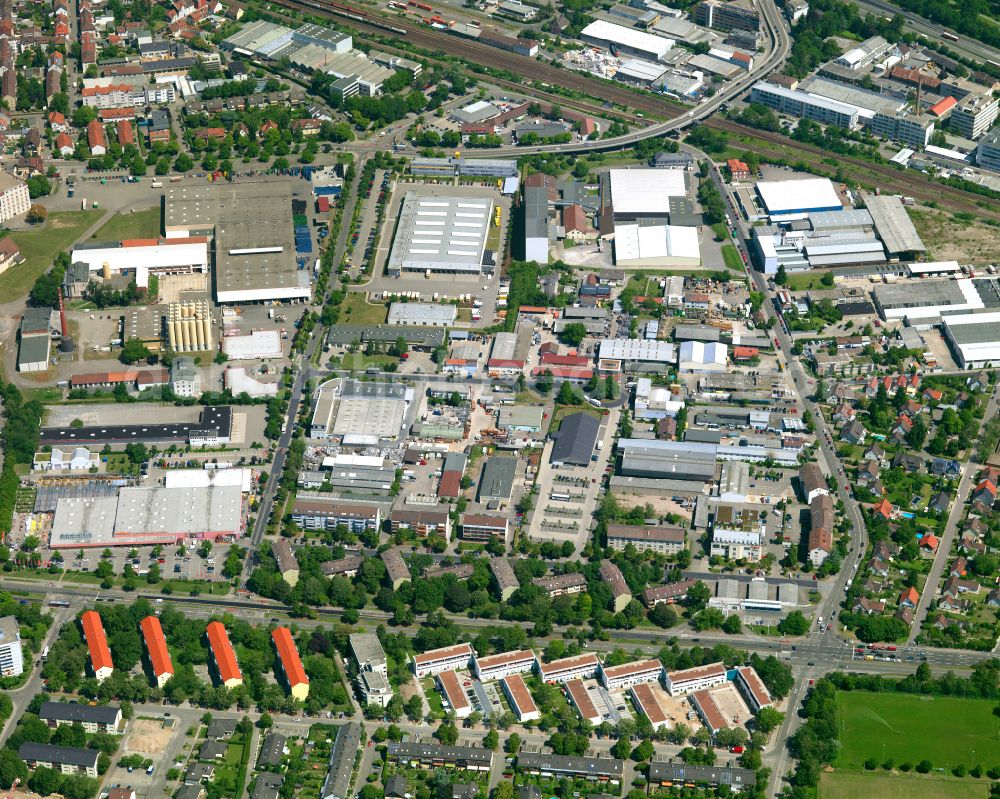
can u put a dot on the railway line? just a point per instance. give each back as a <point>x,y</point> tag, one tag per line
<point>914,185</point>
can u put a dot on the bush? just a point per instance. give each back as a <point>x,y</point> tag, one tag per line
<point>37,214</point>
<point>924,766</point>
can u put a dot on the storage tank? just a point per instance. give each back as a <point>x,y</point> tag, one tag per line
<point>206,332</point>
<point>106,270</point>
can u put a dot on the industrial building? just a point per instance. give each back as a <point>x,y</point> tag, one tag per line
<point>927,300</point>
<point>627,41</point>
<point>189,326</point>
<point>788,200</point>
<point>893,225</point>
<point>442,235</point>
<point>214,427</point>
<point>143,516</point>
<point>223,655</point>
<point>974,339</point>
<point>496,483</point>
<point>139,258</point>
<point>672,460</point>
<point>34,340</point>
<point>359,412</point>
<point>644,193</point>
<point>655,246</point>
<point>702,356</point>
<point>535,214</point>
<point>422,314</point>
<point>618,354</point>
<point>575,440</point>
<point>797,103</point>
<point>252,237</point>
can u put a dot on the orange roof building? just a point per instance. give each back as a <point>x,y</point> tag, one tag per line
<point>291,663</point>
<point>943,106</point>
<point>156,647</point>
<point>97,644</point>
<point>223,655</point>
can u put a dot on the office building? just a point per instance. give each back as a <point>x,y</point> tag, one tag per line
<point>988,151</point>
<point>11,655</point>
<point>737,544</point>
<point>796,103</point>
<point>974,114</point>
<point>727,16</point>
<point>912,130</point>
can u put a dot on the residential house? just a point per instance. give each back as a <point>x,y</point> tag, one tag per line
<point>960,568</point>
<point>908,462</point>
<point>854,433</point>
<point>869,606</point>
<point>929,543</point>
<point>879,567</point>
<point>886,550</point>
<point>868,472</point>
<point>910,597</point>
<point>955,586</point>
<point>875,453</point>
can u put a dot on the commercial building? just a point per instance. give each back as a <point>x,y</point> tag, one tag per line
<point>575,440</point>
<point>223,655</point>
<point>252,237</point>
<point>97,645</point>
<point>495,667</point>
<point>666,540</point>
<point>577,667</point>
<point>291,663</point>
<point>927,300</point>
<point>442,235</point>
<point>14,197</point>
<point>686,681</point>
<point>797,103</point>
<point>448,658</point>
<point>496,483</point>
<point>672,460</point>
<point>65,759</point>
<point>465,167</point>
<point>974,339</point>
<point>521,703</point>
<point>601,769</point>
<point>702,356</point>
<point>422,314</point>
<point>655,246</point>
<point>579,697</point>
<point>988,151</point>
<point>727,16</point>
<point>616,678</point>
<point>160,664</point>
<point>788,200</point>
<point>737,544</point>
<point>11,654</point>
<point>432,755</point>
<point>454,694</point>
<point>627,41</point>
<point>93,718</point>
<point>485,527</point>
<point>974,114</point>
<point>368,653</point>
<point>318,512</point>
<point>644,193</point>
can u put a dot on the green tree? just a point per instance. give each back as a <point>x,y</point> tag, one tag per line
<point>794,624</point>
<point>491,740</point>
<point>134,350</point>
<point>447,733</point>
<point>573,334</point>
<point>566,395</point>
<point>781,278</point>
<point>621,749</point>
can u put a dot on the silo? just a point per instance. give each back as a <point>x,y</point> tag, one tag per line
<point>185,336</point>
<point>206,332</point>
<point>172,330</point>
<point>106,270</point>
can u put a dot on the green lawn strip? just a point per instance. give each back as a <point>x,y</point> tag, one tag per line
<point>356,310</point>
<point>144,224</point>
<point>947,731</point>
<point>731,257</point>
<point>40,246</point>
<point>851,785</point>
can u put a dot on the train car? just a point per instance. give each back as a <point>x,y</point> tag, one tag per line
<point>951,37</point>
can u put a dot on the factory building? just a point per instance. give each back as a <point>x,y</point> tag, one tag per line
<point>140,258</point>
<point>893,225</point>
<point>925,302</point>
<point>627,41</point>
<point>189,326</point>
<point>974,339</point>
<point>789,200</point>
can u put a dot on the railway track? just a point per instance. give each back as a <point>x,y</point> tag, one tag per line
<point>474,52</point>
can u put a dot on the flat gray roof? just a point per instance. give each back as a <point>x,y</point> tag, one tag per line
<point>443,234</point>
<point>893,224</point>
<point>498,477</point>
<point>924,293</point>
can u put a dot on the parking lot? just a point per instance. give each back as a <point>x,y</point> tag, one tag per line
<point>199,560</point>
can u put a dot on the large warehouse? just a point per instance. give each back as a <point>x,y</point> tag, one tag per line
<point>788,200</point>
<point>627,41</point>
<point>644,193</point>
<point>654,246</point>
<point>925,301</point>
<point>676,460</point>
<point>253,237</point>
<point>974,339</point>
<point>442,235</point>
<point>140,257</point>
<point>360,413</point>
<point>144,516</point>
<point>893,225</point>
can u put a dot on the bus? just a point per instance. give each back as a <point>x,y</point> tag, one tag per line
<point>58,603</point>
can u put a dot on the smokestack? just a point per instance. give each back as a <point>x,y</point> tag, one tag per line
<point>62,316</point>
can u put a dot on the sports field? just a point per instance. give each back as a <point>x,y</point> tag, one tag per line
<point>851,785</point>
<point>944,730</point>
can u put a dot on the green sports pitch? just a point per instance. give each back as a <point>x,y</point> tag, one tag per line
<point>947,731</point>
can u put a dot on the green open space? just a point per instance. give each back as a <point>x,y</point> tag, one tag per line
<point>356,310</point>
<point>947,731</point>
<point>810,280</point>
<point>40,245</point>
<point>731,257</point>
<point>851,785</point>
<point>142,224</point>
<point>562,411</point>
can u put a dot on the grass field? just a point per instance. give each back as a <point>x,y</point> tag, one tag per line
<point>356,310</point>
<point>40,246</point>
<point>851,785</point>
<point>732,257</point>
<point>946,731</point>
<point>810,280</point>
<point>144,224</point>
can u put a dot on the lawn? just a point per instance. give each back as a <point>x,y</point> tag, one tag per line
<point>356,310</point>
<point>40,246</point>
<point>731,256</point>
<point>144,224</point>
<point>810,280</point>
<point>562,411</point>
<point>947,731</point>
<point>847,785</point>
